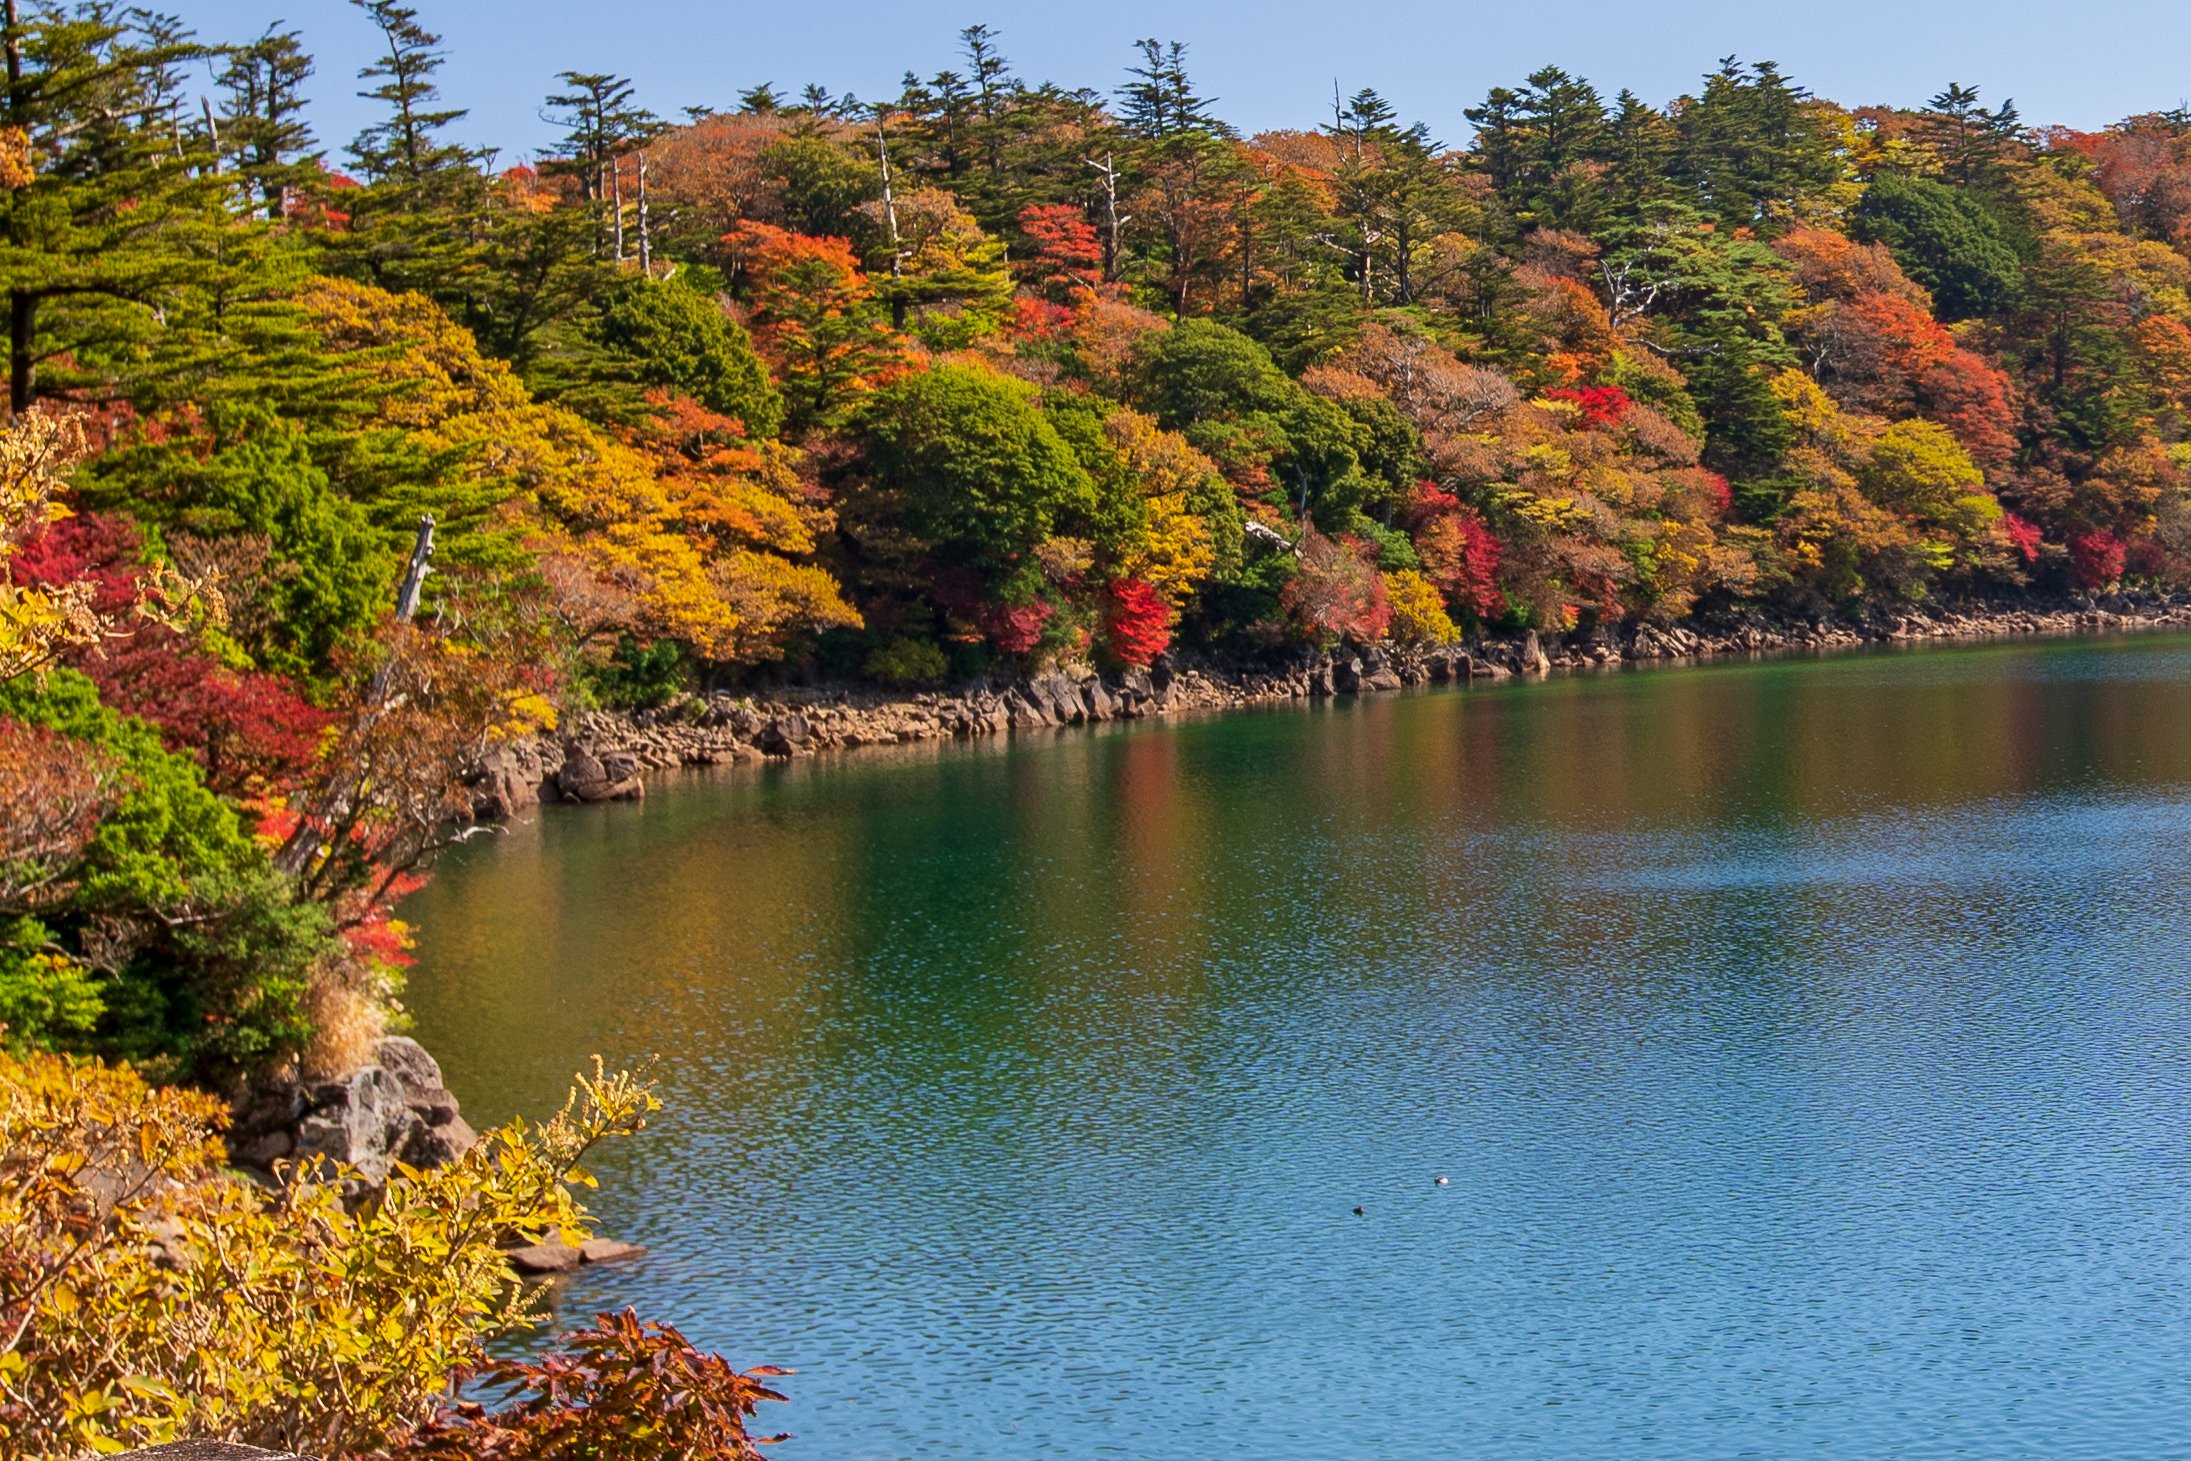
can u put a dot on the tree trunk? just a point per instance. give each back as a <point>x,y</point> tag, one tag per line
<point>646,241</point>
<point>22,318</point>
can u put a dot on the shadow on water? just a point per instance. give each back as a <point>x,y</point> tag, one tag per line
<point>1804,1041</point>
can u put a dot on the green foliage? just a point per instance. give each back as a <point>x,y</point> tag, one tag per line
<point>907,664</point>
<point>670,334</point>
<point>1230,399</point>
<point>1945,239</point>
<point>637,676</point>
<point>977,473</point>
<point>823,186</point>
<point>206,953</point>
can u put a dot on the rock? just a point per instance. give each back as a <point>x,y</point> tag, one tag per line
<point>508,779</point>
<point>786,735</point>
<point>361,1120</point>
<point>585,777</point>
<point>608,1250</point>
<point>539,1259</point>
<point>1321,681</point>
<point>1534,659</point>
<point>409,1062</point>
<point>1376,672</point>
<point>1346,674</point>
<point>1102,704</point>
<point>262,1150</point>
<point>1024,712</point>
<point>440,1144</point>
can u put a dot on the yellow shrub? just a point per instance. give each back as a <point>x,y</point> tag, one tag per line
<point>145,1296</point>
<point>1418,610</point>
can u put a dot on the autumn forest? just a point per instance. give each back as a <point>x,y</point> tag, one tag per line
<point>986,376</point>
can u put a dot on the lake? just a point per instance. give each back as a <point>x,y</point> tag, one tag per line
<point>1807,1045</point>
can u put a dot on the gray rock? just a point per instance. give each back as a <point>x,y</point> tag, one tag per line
<point>361,1121</point>
<point>550,1257</point>
<point>608,1250</point>
<point>586,777</point>
<point>409,1062</point>
<point>786,735</point>
<point>439,1144</point>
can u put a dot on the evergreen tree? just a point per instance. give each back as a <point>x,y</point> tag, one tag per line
<point>405,153</point>
<point>263,134</point>
<point>116,209</point>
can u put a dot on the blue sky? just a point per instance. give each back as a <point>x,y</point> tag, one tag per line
<point>1271,64</point>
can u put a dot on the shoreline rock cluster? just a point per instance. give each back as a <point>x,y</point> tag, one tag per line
<point>604,756</point>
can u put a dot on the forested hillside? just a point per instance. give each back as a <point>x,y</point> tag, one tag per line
<point>982,376</point>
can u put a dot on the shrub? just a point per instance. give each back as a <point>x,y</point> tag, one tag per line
<point>145,1296</point>
<point>907,662</point>
<point>208,952</point>
<point>1418,610</point>
<point>580,1401</point>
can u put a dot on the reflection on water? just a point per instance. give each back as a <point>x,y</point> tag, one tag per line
<point>1805,1043</point>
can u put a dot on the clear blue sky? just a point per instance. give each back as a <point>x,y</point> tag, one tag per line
<point>1271,64</point>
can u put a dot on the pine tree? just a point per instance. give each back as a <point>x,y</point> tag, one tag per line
<point>406,151</point>
<point>263,134</point>
<point>118,205</point>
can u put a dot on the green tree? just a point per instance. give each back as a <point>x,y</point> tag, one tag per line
<point>666,332</point>
<point>203,952</point>
<point>115,212</point>
<point>263,133</point>
<point>1945,239</point>
<point>1752,146</point>
<point>974,469</point>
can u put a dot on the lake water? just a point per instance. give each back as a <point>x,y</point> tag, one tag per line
<point>1807,1044</point>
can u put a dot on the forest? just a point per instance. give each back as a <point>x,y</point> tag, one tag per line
<point>985,376</point>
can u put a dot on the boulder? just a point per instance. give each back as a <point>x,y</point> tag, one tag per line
<point>608,1250</point>
<point>1102,704</point>
<point>541,1259</point>
<point>360,1120</point>
<point>587,777</point>
<point>786,735</point>
<point>510,778</point>
<point>1346,674</point>
<point>1534,659</point>
<point>1376,671</point>
<point>1321,681</point>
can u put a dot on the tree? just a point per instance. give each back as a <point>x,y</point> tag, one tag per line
<point>262,131</point>
<point>816,319</point>
<point>1946,240</point>
<point>201,954</point>
<point>600,123</point>
<point>1752,146</point>
<point>406,149</point>
<point>112,207</point>
<point>670,334</point>
<point>977,473</point>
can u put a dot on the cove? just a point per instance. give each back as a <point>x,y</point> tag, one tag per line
<point>1807,1044</point>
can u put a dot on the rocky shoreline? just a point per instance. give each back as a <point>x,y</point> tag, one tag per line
<point>598,756</point>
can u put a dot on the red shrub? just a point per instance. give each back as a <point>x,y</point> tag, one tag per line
<point>1137,623</point>
<point>2096,558</point>
<point>250,732</point>
<point>1601,405</point>
<point>2022,535</point>
<point>1016,628</point>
